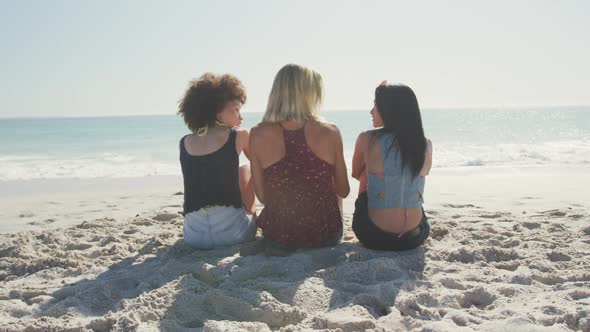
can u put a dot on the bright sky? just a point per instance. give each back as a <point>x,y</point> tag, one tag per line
<point>84,58</point>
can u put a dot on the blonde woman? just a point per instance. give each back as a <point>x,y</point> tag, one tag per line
<point>298,166</point>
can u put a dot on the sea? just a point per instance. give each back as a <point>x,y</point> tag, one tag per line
<point>464,141</point>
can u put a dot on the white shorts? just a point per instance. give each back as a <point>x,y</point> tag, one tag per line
<point>218,226</point>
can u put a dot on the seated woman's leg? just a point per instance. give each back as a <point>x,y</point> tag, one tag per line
<point>247,189</point>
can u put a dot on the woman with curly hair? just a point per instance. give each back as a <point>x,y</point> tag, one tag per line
<point>218,196</point>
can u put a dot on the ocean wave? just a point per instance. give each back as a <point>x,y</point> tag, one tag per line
<point>548,153</point>
<point>104,165</point>
<point>446,156</point>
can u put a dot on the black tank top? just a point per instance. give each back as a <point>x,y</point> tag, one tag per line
<point>211,179</point>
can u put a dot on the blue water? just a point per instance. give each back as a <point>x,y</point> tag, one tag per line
<point>148,145</point>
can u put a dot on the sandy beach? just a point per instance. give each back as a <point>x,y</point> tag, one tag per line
<point>97,99</point>
<point>505,253</point>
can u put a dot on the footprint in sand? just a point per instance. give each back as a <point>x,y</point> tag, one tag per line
<point>554,213</point>
<point>576,216</point>
<point>522,279</point>
<point>552,310</point>
<point>26,214</point>
<point>490,216</point>
<point>478,297</point>
<point>531,225</point>
<point>165,216</point>
<point>460,206</point>
<point>553,228</point>
<point>555,256</point>
<point>510,266</point>
<point>511,244</point>
<point>131,231</point>
<point>451,284</point>
<point>78,246</point>
<point>507,291</point>
<point>142,222</point>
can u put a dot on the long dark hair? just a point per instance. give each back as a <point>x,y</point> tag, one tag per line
<point>398,107</point>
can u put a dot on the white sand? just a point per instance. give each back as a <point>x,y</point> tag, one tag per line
<point>486,267</point>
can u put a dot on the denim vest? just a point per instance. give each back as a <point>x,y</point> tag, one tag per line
<point>397,188</point>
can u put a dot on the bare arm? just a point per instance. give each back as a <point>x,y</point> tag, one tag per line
<point>256,168</point>
<point>358,158</point>
<point>427,159</point>
<point>341,185</point>
<point>242,142</point>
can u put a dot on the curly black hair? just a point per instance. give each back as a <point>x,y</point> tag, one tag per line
<point>206,96</point>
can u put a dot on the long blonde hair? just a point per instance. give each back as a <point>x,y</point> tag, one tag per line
<point>297,93</point>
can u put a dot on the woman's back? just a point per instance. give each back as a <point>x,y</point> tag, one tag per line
<point>203,145</point>
<point>298,161</point>
<point>398,182</point>
<point>319,136</point>
<point>210,168</point>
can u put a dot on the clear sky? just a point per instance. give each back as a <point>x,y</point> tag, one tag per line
<point>85,58</point>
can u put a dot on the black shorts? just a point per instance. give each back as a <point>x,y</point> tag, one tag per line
<point>373,237</point>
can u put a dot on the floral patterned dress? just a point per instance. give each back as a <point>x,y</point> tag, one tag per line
<point>301,209</point>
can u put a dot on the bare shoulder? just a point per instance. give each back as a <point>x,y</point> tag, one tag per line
<point>325,125</point>
<point>261,127</point>
<point>262,131</point>
<point>242,133</point>
<point>363,137</point>
<point>327,129</point>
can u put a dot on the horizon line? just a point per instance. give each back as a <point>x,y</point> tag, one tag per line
<point>458,108</point>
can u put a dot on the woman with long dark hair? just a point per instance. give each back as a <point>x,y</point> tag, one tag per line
<point>391,162</point>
